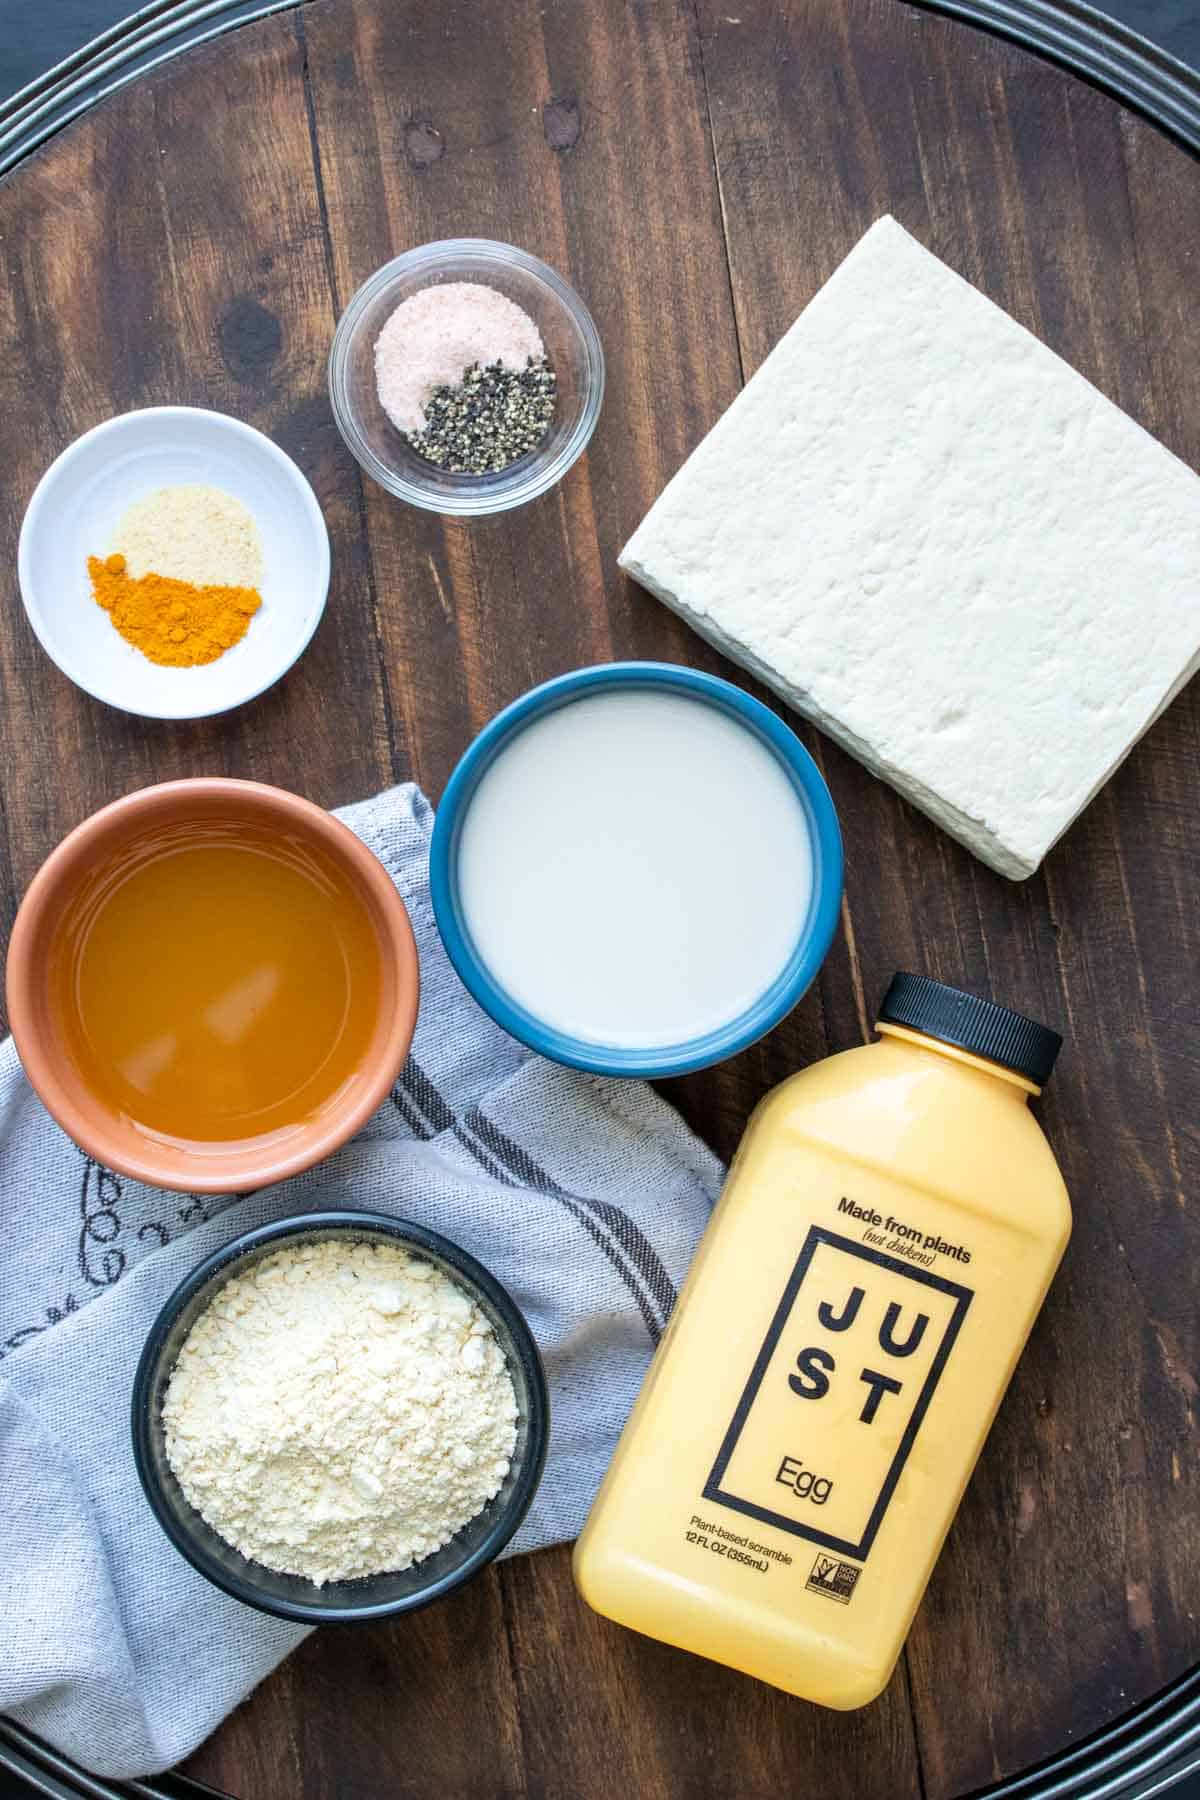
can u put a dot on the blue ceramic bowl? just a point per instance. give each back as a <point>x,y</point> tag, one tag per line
<point>810,949</point>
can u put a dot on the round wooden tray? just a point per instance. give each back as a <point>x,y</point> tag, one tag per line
<point>697,172</point>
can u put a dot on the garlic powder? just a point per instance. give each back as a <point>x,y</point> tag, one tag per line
<point>191,533</point>
<point>341,1409</point>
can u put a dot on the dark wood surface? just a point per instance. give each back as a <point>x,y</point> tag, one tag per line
<point>697,171</point>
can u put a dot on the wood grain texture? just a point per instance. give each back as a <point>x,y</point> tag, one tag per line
<point>697,170</point>
<point>1060,1586</point>
<point>139,269</point>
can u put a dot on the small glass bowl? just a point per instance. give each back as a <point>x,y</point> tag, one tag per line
<point>572,346</point>
<point>478,1543</point>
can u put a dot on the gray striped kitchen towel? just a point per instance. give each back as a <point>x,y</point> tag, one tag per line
<point>585,1196</point>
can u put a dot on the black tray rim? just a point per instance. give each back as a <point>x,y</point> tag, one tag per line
<point>1072,33</point>
<point>1104,52</point>
<point>1156,1744</point>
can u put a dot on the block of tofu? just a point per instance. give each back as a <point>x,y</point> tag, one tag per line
<point>940,543</point>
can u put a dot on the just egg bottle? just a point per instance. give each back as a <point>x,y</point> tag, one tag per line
<point>853,1316</point>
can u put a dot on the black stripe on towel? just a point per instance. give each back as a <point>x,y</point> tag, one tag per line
<point>629,1235</point>
<point>424,1108</point>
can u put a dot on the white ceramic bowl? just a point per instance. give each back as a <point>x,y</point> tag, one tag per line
<point>72,515</point>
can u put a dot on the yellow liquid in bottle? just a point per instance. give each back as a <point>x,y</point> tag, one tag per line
<point>853,1316</point>
<point>215,984</point>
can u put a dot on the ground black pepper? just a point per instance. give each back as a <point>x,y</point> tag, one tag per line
<point>486,421</point>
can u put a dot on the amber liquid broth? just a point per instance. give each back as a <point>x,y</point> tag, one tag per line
<point>217,983</point>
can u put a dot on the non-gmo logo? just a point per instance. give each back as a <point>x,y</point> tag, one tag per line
<point>836,1580</point>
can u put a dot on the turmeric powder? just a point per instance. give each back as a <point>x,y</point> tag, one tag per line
<point>169,621</point>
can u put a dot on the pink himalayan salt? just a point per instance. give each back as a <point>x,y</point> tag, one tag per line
<point>434,337</point>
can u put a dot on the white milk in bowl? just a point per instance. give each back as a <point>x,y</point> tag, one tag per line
<point>635,868</point>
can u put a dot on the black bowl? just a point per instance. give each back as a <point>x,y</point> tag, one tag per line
<point>372,1596</point>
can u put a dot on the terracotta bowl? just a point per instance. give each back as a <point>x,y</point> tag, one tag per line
<point>95,1125</point>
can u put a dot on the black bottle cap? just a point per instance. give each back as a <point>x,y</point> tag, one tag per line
<point>980,1026</point>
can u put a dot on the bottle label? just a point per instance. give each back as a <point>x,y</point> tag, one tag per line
<point>838,1393</point>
